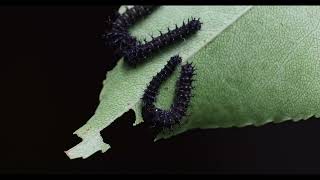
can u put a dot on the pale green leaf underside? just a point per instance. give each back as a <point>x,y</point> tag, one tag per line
<point>254,65</point>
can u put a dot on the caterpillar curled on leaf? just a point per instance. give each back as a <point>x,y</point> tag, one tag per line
<point>157,117</point>
<point>119,36</point>
<point>120,40</point>
<point>131,16</point>
<point>140,52</point>
<point>151,92</point>
<point>111,19</point>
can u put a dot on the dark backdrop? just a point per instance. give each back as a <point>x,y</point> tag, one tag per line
<point>52,67</point>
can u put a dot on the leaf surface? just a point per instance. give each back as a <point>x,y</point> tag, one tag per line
<point>254,65</point>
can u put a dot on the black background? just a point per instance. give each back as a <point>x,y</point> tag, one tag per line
<point>54,65</point>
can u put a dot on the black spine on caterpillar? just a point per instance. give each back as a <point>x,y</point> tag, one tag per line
<point>140,52</point>
<point>159,118</point>
<point>119,36</point>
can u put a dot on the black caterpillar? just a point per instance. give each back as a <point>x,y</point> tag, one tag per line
<point>139,52</point>
<point>131,16</point>
<point>162,119</point>
<point>119,36</point>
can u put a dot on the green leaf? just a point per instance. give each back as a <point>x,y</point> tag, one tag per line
<point>255,65</point>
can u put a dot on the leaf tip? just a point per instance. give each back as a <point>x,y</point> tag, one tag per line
<point>88,146</point>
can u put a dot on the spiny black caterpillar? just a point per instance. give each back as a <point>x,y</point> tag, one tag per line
<point>119,36</point>
<point>157,117</point>
<point>131,16</point>
<point>139,52</point>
